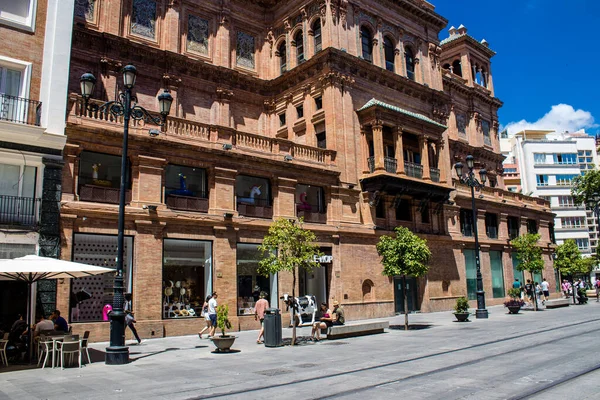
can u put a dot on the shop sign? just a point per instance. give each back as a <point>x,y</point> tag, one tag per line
<point>323,259</point>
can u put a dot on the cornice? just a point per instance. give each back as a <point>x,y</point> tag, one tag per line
<point>453,84</point>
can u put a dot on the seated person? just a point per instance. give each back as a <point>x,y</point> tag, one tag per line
<point>18,330</point>
<point>42,325</point>
<point>338,317</point>
<point>60,324</point>
<point>324,323</point>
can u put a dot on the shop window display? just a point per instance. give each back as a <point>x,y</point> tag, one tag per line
<point>250,282</point>
<point>91,295</point>
<point>187,277</point>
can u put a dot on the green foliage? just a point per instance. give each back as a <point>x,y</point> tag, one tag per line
<point>223,318</point>
<point>288,246</point>
<point>569,260</point>
<point>405,254</point>
<point>514,293</point>
<point>462,305</point>
<point>586,187</point>
<point>529,253</point>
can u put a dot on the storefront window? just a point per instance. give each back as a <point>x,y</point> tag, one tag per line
<point>251,190</point>
<point>250,283</point>
<point>92,296</point>
<point>186,188</point>
<point>310,198</point>
<point>187,277</point>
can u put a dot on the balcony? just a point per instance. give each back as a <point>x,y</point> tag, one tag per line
<point>434,173</point>
<point>413,170</point>
<point>257,208</point>
<point>312,216</point>
<point>188,203</point>
<point>20,110</point>
<point>390,164</point>
<point>102,194</point>
<point>19,211</point>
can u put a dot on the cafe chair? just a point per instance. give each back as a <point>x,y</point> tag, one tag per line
<point>45,349</point>
<point>69,347</point>
<point>3,358</point>
<point>84,345</point>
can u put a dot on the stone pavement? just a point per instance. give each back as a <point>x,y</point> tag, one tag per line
<point>550,353</point>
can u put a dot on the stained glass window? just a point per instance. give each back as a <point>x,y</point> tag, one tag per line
<point>245,50</point>
<point>85,9</point>
<point>143,18</point>
<point>197,35</point>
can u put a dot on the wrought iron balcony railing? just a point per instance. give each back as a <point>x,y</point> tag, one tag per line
<point>20,211</point>
<point>414,170</point>
<point>20,110</point>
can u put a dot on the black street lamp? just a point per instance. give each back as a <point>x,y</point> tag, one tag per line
<point>117,353</point>
<point>471,181</point>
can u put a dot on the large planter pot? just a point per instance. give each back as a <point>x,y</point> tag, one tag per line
<point>590,293</point>
<point>223,343</point>
<point>513,309</point>
<point>462,317</point>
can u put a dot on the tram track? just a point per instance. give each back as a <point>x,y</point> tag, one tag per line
<point>537,332</point>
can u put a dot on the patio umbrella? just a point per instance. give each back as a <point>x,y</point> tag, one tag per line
<point>30,269</point>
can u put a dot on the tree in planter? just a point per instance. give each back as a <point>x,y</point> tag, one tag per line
<point>404,255</point>
<point>223,318</point>
<point>289,247</point>
<point>530,255</point>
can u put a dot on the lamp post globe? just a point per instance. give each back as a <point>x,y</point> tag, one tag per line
<point>129,75</point>
<point>164,103</point>
<point>483,176</point>
<point>87,83</point>
<point>470,161</point>
<point>459,169</point>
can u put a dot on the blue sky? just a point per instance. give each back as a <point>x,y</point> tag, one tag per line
<point>547,66</point>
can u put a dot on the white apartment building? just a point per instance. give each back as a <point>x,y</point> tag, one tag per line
<point>548,162</point>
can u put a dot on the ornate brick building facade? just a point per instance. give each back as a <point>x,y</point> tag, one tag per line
<point>350,115</point>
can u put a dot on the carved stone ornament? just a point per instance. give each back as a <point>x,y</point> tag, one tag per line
<point>303,13</point>
<point>287,25</point>
<point>441,112</point>
<point>269,106</point>
<point>223,93</point>
<point>110,65</point>
<point>343,11</point>
<point>323,11</point>
<point>335,78</point>
<point>171,80</point>
<point>435,53</point>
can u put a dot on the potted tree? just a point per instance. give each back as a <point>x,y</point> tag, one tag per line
<point>461,309</point>
<point>515,303</point>
<point>223,342</point>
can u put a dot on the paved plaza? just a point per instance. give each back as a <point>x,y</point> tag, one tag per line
<point>544,355</point>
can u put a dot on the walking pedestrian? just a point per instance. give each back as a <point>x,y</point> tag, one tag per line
<point>529,290</point>
<point>207,323</point>
<point>259,314</point>
<point>597,286</point>
<point>212,314</point>
<point>545,289</point>
<point>129,317</point>
<point>565,288</point>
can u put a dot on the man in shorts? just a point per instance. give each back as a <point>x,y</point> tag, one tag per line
<point>545,289</point>
<point>529,290</point>
<point>259,314</point>
<point>212,313</point>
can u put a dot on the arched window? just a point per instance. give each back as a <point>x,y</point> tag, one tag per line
<point>317,35</point>
<point>388,47</point>
<point>367,44</point>
<point>282,57</point>
<point>299,47</point>
<point>410,63</point>
<point>456,67</point>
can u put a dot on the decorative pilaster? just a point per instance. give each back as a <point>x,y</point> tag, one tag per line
<point>399,150</point>
<point>424,144</point>
<point>378,145</point>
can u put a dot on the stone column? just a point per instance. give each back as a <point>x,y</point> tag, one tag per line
<point>399,151</point>
<point>544,230</point>
<point>365,150</point>
<point>503,227</point>
<point>222,191</point>
<point>71,154</point>
<point>148,254</point>
<point>523,226</point>
<point>147,173</point>
<point>424,144</point>
<point>481,231</point>
<point>441,165</point>
<point>285,199</point>
<point>378,145</point>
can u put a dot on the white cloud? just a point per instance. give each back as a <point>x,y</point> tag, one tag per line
<point>560,118</point>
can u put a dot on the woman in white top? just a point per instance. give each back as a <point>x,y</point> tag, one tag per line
<point>206,318</point>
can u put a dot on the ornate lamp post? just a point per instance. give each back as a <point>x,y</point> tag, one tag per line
<point>470,180</point>
<point>117,353</point>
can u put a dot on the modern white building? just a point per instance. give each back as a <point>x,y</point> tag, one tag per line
<point>34,66</point>
<point>548,162</point>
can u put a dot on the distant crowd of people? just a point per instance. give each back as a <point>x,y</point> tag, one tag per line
<point>542,290</point>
